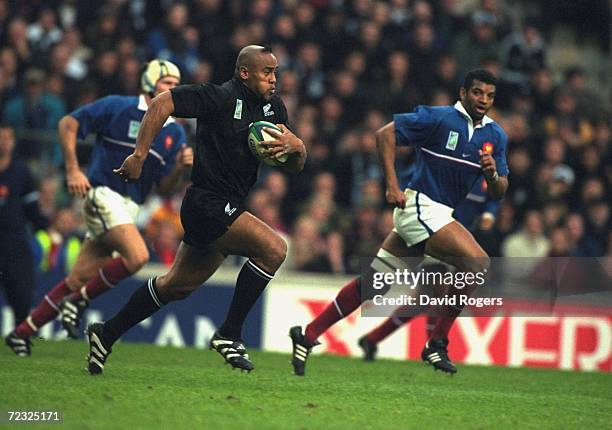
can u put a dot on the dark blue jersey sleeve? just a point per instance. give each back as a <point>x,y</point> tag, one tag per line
<point>491,206</point>
<point>412,129</point>
<point>499,154</point>
<point>92,117</point>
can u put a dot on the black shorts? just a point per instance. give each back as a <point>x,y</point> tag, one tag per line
<point>206,216</point>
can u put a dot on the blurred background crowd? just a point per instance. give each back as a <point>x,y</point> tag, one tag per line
<point>345,68</point>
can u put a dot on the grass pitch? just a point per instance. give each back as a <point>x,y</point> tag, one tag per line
<point>147,387</point>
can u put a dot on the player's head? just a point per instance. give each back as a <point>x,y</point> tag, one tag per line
<point>159,76</point>
<point>478,93</point>
<point>7,139</point>
<point>256,67</point>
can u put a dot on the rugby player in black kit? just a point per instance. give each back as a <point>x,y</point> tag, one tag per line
<point>213,214</point>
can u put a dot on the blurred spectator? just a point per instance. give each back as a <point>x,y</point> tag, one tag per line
<point>597,228</point>
<point>9,78</point>
<point>106,73</point>
<point>542,92</point>
<point>521,187</point>
<point>588,102</point>
<point>423,50</point>
<point>43,34</point>
<point>356,167</point>
<point>559,243</point>
<point>363,239</point>
<point>574,225</point>
<point>522,53</point>
<point>478,43</point>
<point>398,92</point>
<point>17,39</point>
<point>176,41</point>
<point>530,241</point>
<point>308,68</point>
<point>76,67</point>
<point>567,122</point>
<point>35,110</point>
<point>104,34</point>
<point>307,250</point>
<point>56,248</point>
<point>503,22</point>
<point>49,194</point>
<point>561,182</point>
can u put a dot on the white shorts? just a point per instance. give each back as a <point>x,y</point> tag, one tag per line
<point>421,217</point>
<point>104,209</point>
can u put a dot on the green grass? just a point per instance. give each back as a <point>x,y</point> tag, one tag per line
<point>145,386</point>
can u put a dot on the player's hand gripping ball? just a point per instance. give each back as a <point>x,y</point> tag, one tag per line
<point>257,134</point>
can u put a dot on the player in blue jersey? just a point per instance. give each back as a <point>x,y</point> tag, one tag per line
<point>476,211</point>
<point>454,147</point>
<point>110,204</point>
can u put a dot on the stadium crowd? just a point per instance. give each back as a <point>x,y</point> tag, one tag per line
<point>345,67</point>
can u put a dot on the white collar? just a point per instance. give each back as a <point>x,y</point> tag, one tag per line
<point>142,103</point>
<point>485,119</point>
<point>143,106</point>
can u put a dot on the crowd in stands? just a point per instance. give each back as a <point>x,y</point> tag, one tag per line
<point>344,68</point>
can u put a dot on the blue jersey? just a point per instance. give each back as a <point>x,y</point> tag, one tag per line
<point>116,120</point>
<point>476,203</point>
<point>446,146</point>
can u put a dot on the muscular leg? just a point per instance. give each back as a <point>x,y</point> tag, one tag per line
<point>190,269</point>
<point>350,296</point>
<point>91,256</point>
<point>105,274</point>
<point>455,245</point>
<point>250,237</point>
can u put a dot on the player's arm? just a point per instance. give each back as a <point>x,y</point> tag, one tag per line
<point>385,146</point>
<point>289,144</point>
<point>496,184</point>
<point>77,182</point>
<point>159,110</point>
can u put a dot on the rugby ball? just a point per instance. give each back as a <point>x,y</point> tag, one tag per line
<point>257,134</point>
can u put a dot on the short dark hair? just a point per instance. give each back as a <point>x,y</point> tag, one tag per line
<point>481,75</point>
<point>5,124</point>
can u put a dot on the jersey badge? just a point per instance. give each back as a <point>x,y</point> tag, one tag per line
<point>229,210</point>
<point>267,110</point>
<point>453,139</point>
<point>133,129</point>
<point>238,109</point>
<point>487,148</point>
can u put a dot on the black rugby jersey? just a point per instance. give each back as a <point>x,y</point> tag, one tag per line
<point>223,162</point>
